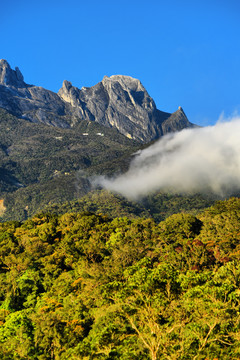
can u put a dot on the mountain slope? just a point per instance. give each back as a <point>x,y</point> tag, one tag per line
<point>41,164</point>
<point>158,205</point>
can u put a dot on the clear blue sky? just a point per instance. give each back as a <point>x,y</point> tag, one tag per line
<point>185,53</point>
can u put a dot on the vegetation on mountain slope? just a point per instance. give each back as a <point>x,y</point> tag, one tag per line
<point>42,165</point>
<point>101,202</point>
<point>158,205</point>
<point>84,286</point>
<point>34,152</point>
<point>36,158</point>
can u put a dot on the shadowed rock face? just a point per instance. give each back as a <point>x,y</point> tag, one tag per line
<point>117,101</point>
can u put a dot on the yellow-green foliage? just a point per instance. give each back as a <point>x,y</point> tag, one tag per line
<point>85,286</point>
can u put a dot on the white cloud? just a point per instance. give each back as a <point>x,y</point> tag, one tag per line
<point>193,160</point>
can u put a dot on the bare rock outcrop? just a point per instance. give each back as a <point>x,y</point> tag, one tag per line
<point>9,77</point>
<point>122,102</point>
<point>117,101</point>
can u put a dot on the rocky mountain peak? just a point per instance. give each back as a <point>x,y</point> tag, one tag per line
<point>66,85</point>
<point>9,77</point>
<point>118,101</point>
<point>122,102</point>
<point>69,93</point>
<point>127,82</point>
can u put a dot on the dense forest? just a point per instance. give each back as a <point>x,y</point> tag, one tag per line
<point>158,205</point>
<point>88,286</point>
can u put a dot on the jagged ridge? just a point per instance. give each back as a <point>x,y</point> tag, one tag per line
<point>117,101</point>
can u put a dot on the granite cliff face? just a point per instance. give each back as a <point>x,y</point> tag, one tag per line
<point>117,101</point>
<point>9,77</point>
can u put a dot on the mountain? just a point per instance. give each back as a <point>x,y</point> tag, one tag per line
<point>51,143</point>
<point>30,102</point>
<point>117,101</point>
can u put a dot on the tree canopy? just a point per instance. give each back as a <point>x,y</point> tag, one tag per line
<point>86,286</point>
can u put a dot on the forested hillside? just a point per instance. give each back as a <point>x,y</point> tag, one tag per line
<point>47,167</point>
<point>86,286</point>
<point>42,164</point>
<point>158,205</point>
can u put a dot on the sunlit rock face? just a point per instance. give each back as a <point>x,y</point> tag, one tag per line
<point>117,101</point>
<point>122,102</point>
<point>9,77</point>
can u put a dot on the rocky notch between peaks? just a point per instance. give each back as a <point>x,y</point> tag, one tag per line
<point>117,101</point>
